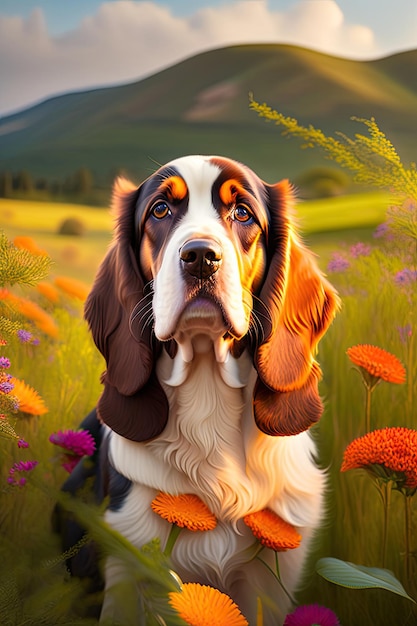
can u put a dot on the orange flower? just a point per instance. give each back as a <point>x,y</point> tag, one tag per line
<point>377,362</point>
<point>41,319</point>
<point>272,531</point>
<point>184,510</point>
<point>49,291</point>
<point>27,243</point>
<point>29,399</point>
<point>389,453</point>
<point>72,287</point>
<point>201,605</point>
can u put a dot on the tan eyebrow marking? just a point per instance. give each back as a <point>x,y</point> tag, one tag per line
<point>229,190</point>
<point>174,187</point>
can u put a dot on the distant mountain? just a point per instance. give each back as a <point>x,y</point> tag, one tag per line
<point>201,106</point>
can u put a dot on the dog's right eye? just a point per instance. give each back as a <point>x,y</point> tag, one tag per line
<point>160,210</point>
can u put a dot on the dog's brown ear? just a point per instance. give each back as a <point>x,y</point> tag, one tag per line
<point>133,402</point>
<point>300,305</point>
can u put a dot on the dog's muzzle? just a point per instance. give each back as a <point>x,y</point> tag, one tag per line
<point>201,258</point>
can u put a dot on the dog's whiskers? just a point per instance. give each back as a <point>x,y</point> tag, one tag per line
<point>142,313</point>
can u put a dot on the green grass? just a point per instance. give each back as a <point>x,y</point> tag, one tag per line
<point>73,256</point>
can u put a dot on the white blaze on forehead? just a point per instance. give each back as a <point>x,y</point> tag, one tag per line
<point>200,220</point>
<point>199,175</point>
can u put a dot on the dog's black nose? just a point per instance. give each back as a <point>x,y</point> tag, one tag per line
<point>201,257</point>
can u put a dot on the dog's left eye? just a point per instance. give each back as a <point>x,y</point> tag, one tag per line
<point>160,210</point>
<point>242,214</point>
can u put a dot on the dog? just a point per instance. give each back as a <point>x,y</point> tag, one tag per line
<point>208,310</point>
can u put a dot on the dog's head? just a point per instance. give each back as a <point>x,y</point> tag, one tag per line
<point>204,248</point>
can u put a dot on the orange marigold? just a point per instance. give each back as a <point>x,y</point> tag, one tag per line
<point>29,399</point>
<point>377,362</point>
<point>272,531</point>
<point>72,287</point>
<point>184,510</point>
<point>201,605</point>
<point>48,291</point>
<point>388,453</point>
<point>27,243</point>
<point>42,320</point>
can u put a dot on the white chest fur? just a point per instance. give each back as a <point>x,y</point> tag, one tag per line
<point>212,447</point>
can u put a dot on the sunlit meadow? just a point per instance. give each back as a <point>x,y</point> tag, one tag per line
<point>45,345</point>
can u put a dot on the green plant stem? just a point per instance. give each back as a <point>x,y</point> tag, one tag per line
<point>276,575</point>
<point>368,408</point>
<point>172,538</point>
<point>407,518</point>
<point>385,490</point>
<point>259,613</point>
<point>410,379</point>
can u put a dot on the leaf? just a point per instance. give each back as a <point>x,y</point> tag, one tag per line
<point>354,576</point>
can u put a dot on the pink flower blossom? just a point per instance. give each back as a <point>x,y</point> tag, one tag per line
<point>4,362</point>
<point>15,471</point>
<point>360,249</point>
<point>312,615</point>
<point>76,444</point>
<point>338,263</point>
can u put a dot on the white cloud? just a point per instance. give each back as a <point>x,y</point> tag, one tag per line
<point>126,40</point>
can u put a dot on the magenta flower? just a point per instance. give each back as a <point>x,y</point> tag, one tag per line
<point>17,469</point>
<point>22,443</point>
<point>312,615</point>
<point>76,444</point>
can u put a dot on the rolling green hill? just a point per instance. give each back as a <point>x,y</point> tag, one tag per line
<point>201,106</point>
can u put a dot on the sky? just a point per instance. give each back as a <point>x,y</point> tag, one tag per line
<point>49,47</point>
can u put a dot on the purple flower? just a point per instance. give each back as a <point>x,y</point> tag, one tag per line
<point>76,444</point>
<point>405,276</point>
<point>383,230</point>
<point>18,468</point>
<point>312,615</point>
<point>4,362</point>
<point>337,263</point>
<point>24,335</point>
<point>405,332</point>
<point>360,249</point>
<point>6,387</point>
<point>22,443</point>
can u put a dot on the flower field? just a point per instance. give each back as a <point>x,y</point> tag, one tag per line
<point>367,438</point>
